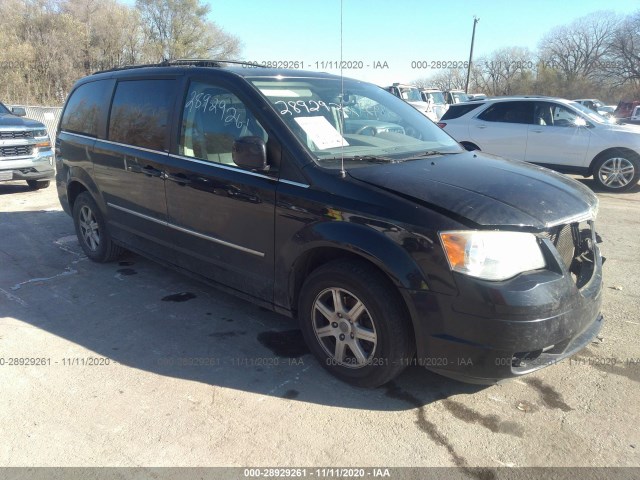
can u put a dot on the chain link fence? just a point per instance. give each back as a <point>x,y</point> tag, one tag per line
<point>49,116</point>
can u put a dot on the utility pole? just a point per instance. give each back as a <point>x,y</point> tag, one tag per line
<point>473,37</point>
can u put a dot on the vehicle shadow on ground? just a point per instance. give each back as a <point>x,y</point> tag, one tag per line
<point>142,315</point>
<point>13,188</point>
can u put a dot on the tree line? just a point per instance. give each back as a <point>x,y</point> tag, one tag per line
<point>46,45</point>
<point>596,56</point>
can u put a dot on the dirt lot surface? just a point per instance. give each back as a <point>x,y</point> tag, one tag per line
<point>142,366</point>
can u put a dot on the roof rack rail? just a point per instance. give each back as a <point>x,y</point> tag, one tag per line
<point>180,62</point>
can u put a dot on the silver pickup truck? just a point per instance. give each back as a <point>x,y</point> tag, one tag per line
<point>25,149</point>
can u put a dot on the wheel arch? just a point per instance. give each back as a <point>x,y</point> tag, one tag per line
<point>372,247</point>
<point>80,181</point>
<point>611,151</point>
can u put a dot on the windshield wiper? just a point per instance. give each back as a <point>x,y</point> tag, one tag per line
<point>366,158</point>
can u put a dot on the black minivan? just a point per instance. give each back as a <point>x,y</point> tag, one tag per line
<point>334,202</point>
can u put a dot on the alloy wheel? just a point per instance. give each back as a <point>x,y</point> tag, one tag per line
<point>344,328</point>
<point>89,228</point>
<point>616,172</point>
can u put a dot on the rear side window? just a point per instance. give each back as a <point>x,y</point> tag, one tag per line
<point>86,107</point>
<point>509,112</point>
<point>140,113</point>
<point>456,111</point>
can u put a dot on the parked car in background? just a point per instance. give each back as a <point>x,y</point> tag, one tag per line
<point>476,96</point>
<point>552,132</point>
<point>635,116</point>
<point>595,105</point>
<point>411,94</point>
<point>25,149</point>
<point>436,98</point>
<point>455,96</point>
<point>625,108</point>
<point>390,244</point>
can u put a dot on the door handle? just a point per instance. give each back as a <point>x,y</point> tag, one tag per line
<point>481,126</point>
<point>537,131</point>
<point>179,178</point>
<point>238,194</point>
<point>152,171</point>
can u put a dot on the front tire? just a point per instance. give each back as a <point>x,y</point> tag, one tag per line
<point>92,231</point>
<point>38,184</point>
<point>354,322</point>
<point>617,172</point>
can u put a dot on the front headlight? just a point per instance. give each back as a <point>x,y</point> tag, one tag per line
<point>39,133</point>
<point>492,255</point>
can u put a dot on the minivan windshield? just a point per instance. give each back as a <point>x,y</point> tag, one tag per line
<point>357,121</point>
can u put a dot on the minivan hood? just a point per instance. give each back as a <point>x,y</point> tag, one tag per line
<point>8,120</point>
<point>486,190</point>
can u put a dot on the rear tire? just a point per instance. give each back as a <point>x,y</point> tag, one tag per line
<point>617,172</point>
<point>92,231</point>
<point>38,184</point>
<point>354,322</point>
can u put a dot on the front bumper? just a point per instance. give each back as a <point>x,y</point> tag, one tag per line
<point>37,167</point>
<point>493,331</point>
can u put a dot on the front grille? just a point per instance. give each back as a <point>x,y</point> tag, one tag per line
<point>16,151</point>
<point>10,134</point>
<point>575,244</point>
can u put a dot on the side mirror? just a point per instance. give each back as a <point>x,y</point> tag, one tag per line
<point>250,153</point>
<point>18,111</point>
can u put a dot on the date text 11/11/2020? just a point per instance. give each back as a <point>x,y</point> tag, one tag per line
<point>319,64</point>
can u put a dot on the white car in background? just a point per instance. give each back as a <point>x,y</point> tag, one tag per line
<point>436,98</point>
<point>555,133</point>
<point>411,95</point>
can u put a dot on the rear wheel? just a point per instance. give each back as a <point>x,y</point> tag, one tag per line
<point>354,322</point>
<point>38,184</point>
<point>617,172</point>
<point>92,232</point>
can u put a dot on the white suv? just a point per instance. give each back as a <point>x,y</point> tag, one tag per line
<point>552,132</point>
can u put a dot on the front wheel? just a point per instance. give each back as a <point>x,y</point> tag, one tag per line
<point>354,322</point>
<point>38,184</point>
<point>617,172</point>
<point>92,232</point>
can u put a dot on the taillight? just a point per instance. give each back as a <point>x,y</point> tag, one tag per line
<point>441,124</point>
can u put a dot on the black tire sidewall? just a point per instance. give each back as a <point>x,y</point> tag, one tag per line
<point>38,184</point>
<point>392,349</point>
<point>100,254</point>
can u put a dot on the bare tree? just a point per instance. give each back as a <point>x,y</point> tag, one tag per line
<point>504,71</point>
<point>449,79</point>
<point>180,29</point>
<point>578,49</point>
<point>622,66</point>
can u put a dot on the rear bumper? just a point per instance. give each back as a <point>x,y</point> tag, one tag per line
<point>493,331</point>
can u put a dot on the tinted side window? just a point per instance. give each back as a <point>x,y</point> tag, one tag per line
<point>140,113</point>
<point>86,106</point>
<point>553,114</point>
<point>212,119</point>
<point>456,111</point>
<point>508,112</point>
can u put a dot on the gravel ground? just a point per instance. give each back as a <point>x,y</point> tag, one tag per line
<point>146,367</point>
